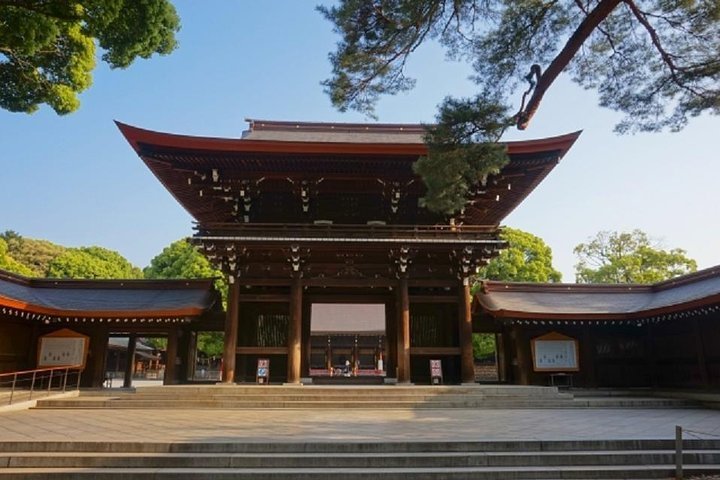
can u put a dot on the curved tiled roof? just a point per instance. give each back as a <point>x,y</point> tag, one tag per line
<point>107,298</point>
<point>595,301</point>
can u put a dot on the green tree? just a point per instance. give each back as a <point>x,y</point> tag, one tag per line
<point>526,259</point>
<point>656,61</point>
<point>47,47</point>
<point>182,260</point>
<point>9,264</point>
<point>628,257</point>
<point>33,254</point>
<point>92,262</point>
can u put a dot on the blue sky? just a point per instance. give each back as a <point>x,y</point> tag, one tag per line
<point>75,181</point>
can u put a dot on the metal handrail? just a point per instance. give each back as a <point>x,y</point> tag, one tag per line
<point>37,376</point>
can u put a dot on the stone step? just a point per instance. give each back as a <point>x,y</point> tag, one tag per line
<point>357,460</point>
<point>367,447</point>
<point>443,473</point>
<point>310,404</point>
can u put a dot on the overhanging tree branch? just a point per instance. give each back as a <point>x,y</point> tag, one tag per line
<point>582,33</point>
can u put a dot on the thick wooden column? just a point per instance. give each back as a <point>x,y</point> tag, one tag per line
<point>94,373</point>
<point>391,331</point>
<point>522,356</point>
<point>171,354</point>
<point>403,338</point>
<point>587,350</point>
<point>700,348</point>
<point>130,363</point>
<point>295,332</point>
<point>467,362</point>
<point>231,332</point>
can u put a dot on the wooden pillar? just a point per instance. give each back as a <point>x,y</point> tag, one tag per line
<point>500,362</point>
<point>295,332</point>
<point>467,361</point>
<point>130,363</point>
<point>171,354</point>
<point>231,331</point>
<point>391,331</point>
<point>650,355</point>
<point>94,373</point>
<point>587,349</point>
<point>403,338</point>
<point>306,340</point>
<point>700,348</point>
<point>522,356</point>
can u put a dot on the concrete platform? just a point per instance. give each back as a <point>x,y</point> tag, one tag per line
<point>213,425</point>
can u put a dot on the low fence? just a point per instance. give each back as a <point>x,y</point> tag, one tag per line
<point>26,384</point>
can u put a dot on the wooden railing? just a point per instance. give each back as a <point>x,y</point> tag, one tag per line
<point>26,383</point>
<point>320,229</point>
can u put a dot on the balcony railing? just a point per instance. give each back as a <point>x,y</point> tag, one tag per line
<point>322,229</point>
<point>26,384</point>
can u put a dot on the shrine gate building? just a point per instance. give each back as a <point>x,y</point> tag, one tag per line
<point>303,214</point>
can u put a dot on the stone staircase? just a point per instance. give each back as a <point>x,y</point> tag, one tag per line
<point>357,397</point>
<point>595,459</point>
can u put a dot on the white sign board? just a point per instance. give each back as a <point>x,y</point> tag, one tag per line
<point>555,355</point>
<point>61,351</point>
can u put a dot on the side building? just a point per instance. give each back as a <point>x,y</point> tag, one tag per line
<point>31,308</point>
<point>660,335</point>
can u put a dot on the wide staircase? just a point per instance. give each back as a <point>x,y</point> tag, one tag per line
<point>596,459</point>
<point>359,397</point>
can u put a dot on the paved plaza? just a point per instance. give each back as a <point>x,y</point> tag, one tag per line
<point>214,425</point>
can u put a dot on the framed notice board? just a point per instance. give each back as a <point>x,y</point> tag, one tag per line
<point>555,352</point>
<point>63,348</point>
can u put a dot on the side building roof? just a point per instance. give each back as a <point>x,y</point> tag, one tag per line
<point>59,299</point>
<point>548,301</point>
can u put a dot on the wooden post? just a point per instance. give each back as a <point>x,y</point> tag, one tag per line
<point>130,365</point>
<point>231,331</point>
<point>94,374</point>
<point>522,348</point>
<point>295,332</point>
<point>500,358</point>
<point>391,331</point>
<point>587,349</point>
<point>678,453</point>
<point>700,347</point>
<point>403,340</point>
<point>171,354</point>
<point>467,361</point>
<point>650,356</point>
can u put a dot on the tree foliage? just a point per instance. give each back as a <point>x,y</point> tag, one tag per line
<point>33,254</point>
<point>628,257</point>
<point>182,260</point>
<point>9,264</point>
<point>526,259</point>
<point>656,61</point>
<point>462,150</point>
<point>92,262</point>
<point>47,47</point>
